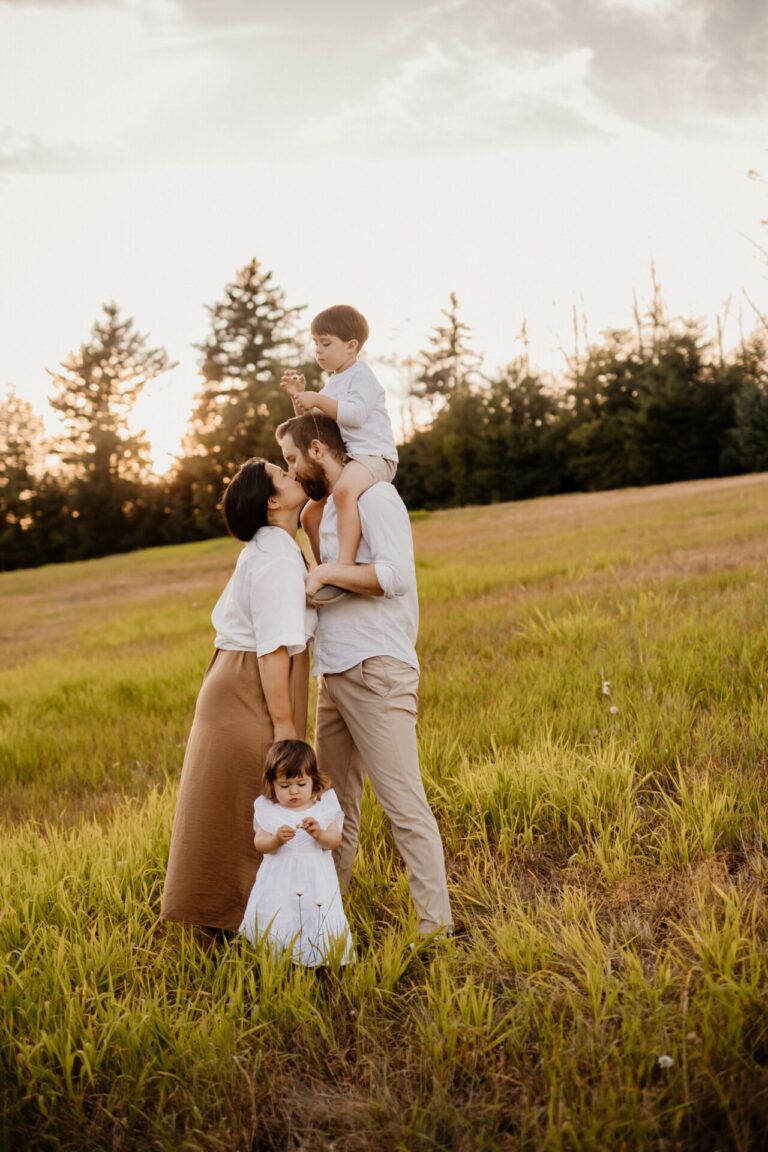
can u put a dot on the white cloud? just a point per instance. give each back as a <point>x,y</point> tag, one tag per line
<point>81,81</point>
<point>451,96</point>
<point>641,7</point>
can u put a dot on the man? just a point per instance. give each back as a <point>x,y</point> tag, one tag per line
<point>368,672</point>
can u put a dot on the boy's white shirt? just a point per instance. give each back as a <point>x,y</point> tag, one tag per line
<point>362,412</point>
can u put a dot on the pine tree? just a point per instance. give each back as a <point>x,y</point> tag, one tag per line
<point>252,339</point>
<point>749,436</point>
<point>449,367</point>
<point>22,455</point>
<point>105,463</point>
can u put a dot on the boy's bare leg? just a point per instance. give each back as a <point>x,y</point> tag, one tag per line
<point>354,480</point>
<point>311,515</point>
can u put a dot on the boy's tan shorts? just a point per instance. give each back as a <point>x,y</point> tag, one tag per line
<point>378,466</point>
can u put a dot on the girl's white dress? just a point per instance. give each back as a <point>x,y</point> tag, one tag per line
<point>295,902</point>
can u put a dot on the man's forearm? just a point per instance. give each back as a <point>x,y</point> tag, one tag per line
<point>360,578</point>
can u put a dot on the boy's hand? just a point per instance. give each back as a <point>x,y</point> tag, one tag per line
<point>292,382</point>
<point>305,401</point>
<point>285,833</point>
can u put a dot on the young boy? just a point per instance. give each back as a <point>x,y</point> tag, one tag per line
<point>353,398</point>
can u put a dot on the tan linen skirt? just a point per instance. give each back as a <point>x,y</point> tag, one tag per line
<point>212,862</point>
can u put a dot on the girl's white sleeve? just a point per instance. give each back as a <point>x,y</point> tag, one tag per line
<point>262,814</point>
<point>330,810</point>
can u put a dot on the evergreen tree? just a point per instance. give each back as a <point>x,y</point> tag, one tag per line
<point>106,465</point>
<point>601,407</point>
<point>685,409</point>
<point>524,450</point>
<point>448,367</point>
<point>22,456</point>
<point>252,340</point>
<point>748,447</point>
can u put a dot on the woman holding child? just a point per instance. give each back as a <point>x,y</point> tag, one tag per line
<point>254,692</point>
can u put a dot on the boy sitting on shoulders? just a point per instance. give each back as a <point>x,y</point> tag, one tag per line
<point>354,398</point>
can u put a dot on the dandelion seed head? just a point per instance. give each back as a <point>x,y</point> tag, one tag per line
<point>299,891</point>
<point>613,710</point>
<point>665,1061</point>
<point>606,687</point>
<point>319,903</point>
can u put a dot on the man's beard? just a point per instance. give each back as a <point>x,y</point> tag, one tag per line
<point>313,481</point>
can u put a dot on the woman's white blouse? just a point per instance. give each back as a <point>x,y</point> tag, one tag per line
<point>263,606</point>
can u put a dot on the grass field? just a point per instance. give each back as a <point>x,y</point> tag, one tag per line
<point>594,737</point>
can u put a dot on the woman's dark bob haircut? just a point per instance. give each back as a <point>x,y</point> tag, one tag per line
<point>245,501</point>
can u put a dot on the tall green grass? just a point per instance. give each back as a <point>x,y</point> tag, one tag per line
<point>593,736</point>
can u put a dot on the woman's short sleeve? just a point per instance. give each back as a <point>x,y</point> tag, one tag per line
<point>263,814</point>
<point>330,810</point>
<point>277,602</point>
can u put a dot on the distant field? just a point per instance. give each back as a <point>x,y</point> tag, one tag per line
<point>594,735</point>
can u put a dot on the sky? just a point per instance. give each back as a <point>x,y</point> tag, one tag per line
<point>533,156</point>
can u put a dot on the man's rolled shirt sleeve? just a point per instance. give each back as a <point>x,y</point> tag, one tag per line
<point>389,540</point>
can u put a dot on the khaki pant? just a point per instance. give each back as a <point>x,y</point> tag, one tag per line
<point>366,721</point>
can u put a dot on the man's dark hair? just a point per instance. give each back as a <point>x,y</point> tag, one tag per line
<point>245,501</point>
<point>304,429</point>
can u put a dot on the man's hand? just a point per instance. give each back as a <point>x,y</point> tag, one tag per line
<point>292,382</point>
<point>314,581</point>
<point>285,833</point>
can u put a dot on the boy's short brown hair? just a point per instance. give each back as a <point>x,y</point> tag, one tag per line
<point>341,320</point>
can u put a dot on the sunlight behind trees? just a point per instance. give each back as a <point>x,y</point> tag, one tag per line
<point>656,403</point>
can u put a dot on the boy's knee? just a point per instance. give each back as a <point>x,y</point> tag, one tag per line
<point>343,496</point>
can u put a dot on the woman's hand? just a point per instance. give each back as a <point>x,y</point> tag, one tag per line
<point>285,732</point>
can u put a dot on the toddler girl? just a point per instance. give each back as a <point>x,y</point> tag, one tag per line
<point>295,902</point>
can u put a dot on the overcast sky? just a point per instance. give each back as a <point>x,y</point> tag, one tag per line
<point>530,155</point>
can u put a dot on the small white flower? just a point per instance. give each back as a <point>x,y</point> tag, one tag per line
<point>606,687</point>
<point>613,710</point>
<point>665,1061</point>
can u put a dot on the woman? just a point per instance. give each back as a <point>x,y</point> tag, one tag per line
<point>254,692</point>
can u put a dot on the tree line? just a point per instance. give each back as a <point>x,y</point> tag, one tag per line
<point>654,403</point>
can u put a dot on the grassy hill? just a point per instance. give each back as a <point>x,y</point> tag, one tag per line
<point>594,736</point>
